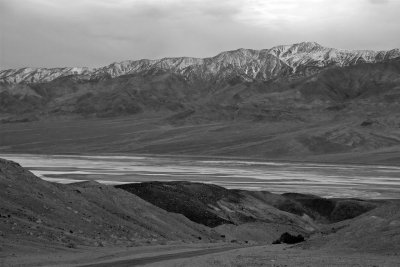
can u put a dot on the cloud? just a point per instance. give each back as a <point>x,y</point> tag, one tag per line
<point>97,32</point>
<point>379,2</point>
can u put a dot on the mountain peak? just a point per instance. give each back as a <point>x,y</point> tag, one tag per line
<point>309,44</point>
<point>305,47</point>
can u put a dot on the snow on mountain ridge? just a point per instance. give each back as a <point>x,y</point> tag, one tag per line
<point>297,59</point>
<point>35,75</point>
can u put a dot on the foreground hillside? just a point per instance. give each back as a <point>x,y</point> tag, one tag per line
<point>47,223</point>
<point>377,231</point>
<point>92,214</point>
<point>38,214</point>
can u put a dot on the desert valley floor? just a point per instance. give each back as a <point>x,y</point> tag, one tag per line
<point>322,179</point>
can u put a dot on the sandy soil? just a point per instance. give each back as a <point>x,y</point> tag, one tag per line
<point>93,255</point>
<point>282,255</point>
<point>194,255</point>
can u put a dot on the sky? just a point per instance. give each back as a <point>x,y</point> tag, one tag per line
<point>94,33</point>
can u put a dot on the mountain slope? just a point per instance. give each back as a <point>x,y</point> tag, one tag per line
<point>166,91</point>
<point>335,111</point>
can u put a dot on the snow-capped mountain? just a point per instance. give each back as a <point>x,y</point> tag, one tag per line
<point>38,75</point>
<point>285,60</point>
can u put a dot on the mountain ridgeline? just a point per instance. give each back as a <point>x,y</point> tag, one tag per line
<point>286,60</point>
<point>235,81</point>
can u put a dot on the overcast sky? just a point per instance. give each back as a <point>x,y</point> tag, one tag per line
<point>93,33</point>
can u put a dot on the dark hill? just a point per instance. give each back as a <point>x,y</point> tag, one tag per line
<point>193,200</point>
<point>329,210</point>
<point>235,214</point>
<point>213,205</point>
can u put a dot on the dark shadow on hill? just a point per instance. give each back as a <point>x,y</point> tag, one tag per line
<point>190,199</point>
<point>288,238</point>
<point>328,210</point>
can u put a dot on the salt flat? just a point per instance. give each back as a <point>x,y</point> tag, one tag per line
<point>327,180</point>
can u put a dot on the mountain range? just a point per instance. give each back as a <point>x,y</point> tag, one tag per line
<point>294,101</point>
<point>286,60</point>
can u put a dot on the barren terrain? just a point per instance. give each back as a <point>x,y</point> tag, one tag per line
<point>299,103</point>
<point>49,224</point>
